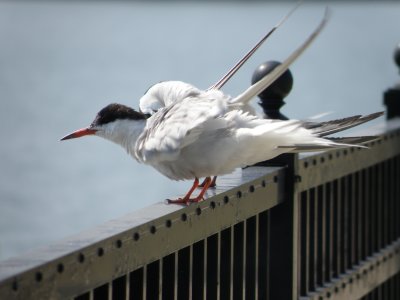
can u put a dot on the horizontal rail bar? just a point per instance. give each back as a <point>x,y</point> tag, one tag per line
<point>320,168</point>
<point>362,278</point>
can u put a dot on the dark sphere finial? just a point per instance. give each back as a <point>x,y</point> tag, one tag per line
<point>272,97</point>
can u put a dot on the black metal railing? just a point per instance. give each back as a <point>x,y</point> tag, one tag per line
<point>348,219</point>
<point>321,226</point>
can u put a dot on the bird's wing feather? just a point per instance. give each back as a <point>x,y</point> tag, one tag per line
<point>221,82</point>
<point>333,126</point>
<point>176,126</point>
<point>267,80</point>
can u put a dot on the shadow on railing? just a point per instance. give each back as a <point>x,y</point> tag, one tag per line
<point>322,226</point>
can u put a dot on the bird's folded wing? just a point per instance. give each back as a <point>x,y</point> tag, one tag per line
<point>176,126</point>
<point>333,126</point>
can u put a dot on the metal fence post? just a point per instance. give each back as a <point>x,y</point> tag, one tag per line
<point>283,249</point>
<point>392,95</point>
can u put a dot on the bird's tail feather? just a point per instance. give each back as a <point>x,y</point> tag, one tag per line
<point>267,80</point>
<point>331,143</point>
<point>354,140</point>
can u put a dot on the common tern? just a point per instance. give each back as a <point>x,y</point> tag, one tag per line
<point>167,92</point>
<point>207,133</point>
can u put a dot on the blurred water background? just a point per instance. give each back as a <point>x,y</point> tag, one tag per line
<point>60,62</point>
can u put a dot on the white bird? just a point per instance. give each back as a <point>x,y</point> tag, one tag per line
<point>166,93</point>
<point>206,133</point>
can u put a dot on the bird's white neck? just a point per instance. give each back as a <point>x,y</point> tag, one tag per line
<point>123,132</point>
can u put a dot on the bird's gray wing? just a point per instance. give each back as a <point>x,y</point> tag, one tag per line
<point>333,126</point>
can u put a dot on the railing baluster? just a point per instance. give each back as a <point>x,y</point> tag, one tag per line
<point>344,224</point>
<point>128,286</point>
<point>101,292</point>
<point>313,240</point>
<point>226,264</point>
<point>168,276</point>
<point>153,280</point>
<point>358,207</point>
<point>251,257</point>
<point>351,220</point>
<point>329,232</point>
<point>364,211</point>
<point>384,205</point>
<point>378,205</point>
<point>305,243</point>
<point>337,221</point>
<point>119,288</point>
<point>136,284</point>
<point>364,214</point>
<point>183,288</point>
<point>198,270</point>
<point>263,255</point>
<point>321,234</point>
<point>238,261</point>
<point>373,209</point>
<point>212,267</point>
<point>256,256</point>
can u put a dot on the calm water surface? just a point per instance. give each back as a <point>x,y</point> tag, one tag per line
<point>62,62</point>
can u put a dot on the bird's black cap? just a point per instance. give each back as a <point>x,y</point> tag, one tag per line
<point>116,111</point>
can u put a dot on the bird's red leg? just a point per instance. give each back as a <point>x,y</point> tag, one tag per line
<point>186,199</point>
<point>213,182</point>
<point>207,183</point>
<point>204,182</point>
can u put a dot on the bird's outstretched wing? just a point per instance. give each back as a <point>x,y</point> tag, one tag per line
<point>221,82</point>
<point>174,127</point>
<point>270,78</point>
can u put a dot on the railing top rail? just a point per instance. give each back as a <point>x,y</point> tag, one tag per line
<point>319,168</point>
<point>147,234</point>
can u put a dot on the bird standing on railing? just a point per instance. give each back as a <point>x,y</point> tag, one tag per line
<point>207,133</point>
<point>166,93</point>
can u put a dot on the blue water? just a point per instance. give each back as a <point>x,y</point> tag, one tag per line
<point>61,62</point>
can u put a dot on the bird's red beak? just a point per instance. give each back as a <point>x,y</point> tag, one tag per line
<point>79,133</point>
